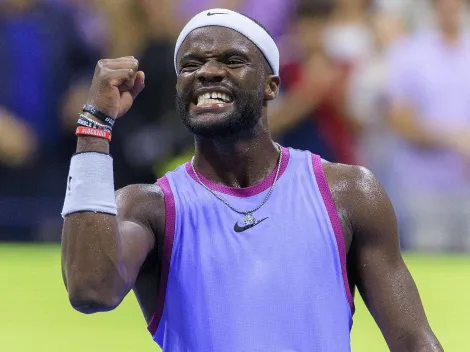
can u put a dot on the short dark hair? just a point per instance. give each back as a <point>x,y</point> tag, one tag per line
<point>270,69</point>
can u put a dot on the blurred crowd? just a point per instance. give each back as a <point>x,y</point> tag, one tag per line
<point>380,83</point>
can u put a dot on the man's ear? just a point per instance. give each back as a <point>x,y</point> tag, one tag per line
<point>272,87</point>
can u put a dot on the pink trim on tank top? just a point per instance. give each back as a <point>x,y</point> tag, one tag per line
<point>170,216</point>
<point>335,222</point>
<point>247,191</point>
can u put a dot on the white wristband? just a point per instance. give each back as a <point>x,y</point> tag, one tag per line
<point>90,185</point>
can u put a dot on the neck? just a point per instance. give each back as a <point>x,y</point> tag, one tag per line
<point>241,160</point>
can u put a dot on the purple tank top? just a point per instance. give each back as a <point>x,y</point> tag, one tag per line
<point>278,286</point>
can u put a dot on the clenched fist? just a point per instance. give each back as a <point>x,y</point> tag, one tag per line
<point>116,83</point>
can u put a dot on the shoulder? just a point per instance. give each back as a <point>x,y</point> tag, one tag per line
<point>139,195</point>
<point>358,194</point>
<point>354,187</point>
<point>350,178</point>
<point>143,203</point>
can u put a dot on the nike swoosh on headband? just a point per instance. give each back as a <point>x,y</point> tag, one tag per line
<point>216,13</point>
<point>237,22</point>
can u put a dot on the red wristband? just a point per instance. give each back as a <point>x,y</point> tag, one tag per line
<point>93,132</point>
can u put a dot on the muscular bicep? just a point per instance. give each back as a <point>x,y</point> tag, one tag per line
<point>381,274</point>
<point>137,242</point>
<point>139,210</point>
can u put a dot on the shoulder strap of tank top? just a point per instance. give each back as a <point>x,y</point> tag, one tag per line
<point>170,216</point>
<point>327,197</point>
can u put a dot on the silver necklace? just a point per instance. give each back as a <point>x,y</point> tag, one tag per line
<point>248,217</point>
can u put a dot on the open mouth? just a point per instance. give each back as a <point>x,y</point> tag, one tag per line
<point>213,100</point>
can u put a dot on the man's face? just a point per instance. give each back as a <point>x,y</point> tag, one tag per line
<point>222,78</point>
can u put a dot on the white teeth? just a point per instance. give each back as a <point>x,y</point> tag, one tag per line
<point>212,98</point>
<point>202,102</point>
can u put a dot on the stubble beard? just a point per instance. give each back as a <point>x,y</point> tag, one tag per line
<point>247,110</point>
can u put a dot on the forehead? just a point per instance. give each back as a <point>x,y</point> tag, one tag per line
<point>216,40</point>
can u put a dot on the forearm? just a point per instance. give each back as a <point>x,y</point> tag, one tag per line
<point>91,252</point>
<point>419,341</point>
<point>433,347</point>
<point>92,262</point>
<point>102,253</point>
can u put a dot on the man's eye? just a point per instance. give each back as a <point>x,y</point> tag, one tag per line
<point>235,62</point>
<point>190,66</point>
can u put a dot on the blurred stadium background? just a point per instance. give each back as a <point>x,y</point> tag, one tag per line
<point>380,83</point>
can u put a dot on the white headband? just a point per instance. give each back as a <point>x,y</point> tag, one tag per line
<point>239,23</point>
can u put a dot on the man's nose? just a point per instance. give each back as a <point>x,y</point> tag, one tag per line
<point>211,71</point>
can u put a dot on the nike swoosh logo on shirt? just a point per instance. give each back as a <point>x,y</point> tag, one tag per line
<point>216,13</point>
<point>239,228</point>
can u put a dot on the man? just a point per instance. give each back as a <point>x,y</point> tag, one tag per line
<point>249,247</point>
<point>427,88</point>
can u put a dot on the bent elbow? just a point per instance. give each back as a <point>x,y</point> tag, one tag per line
<point>89,300</point>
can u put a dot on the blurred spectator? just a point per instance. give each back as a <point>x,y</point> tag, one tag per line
<point>430,114</point>
<point>89,21</point>
<point>310,114</point>
<point>151,133</point>
<point>367,94</point>
<point>414,15</point>
<point>19,144</point>
<point>348,37</point>
<point>41,52</point>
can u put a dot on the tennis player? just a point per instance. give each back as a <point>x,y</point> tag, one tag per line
<point>250,246</point>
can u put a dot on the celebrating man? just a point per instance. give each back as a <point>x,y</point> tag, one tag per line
<point>250,246</point>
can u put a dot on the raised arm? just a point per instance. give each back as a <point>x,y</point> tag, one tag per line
<point>375,262</point>
<point>104,247</point>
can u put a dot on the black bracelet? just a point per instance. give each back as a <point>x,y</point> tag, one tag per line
<point>87,122</point>
<point>99,115</point>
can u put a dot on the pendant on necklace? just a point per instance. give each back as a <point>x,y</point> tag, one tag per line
<point>249,219</point>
